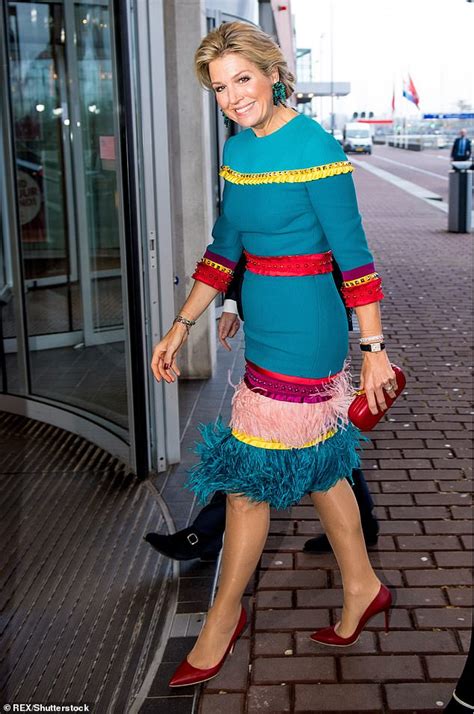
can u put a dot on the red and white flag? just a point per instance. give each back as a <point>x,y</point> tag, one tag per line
<point>409,91</point>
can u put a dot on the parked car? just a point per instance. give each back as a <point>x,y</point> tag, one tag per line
<point>357,138</point>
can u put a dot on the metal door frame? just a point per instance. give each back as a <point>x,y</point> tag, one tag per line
<point>155,208</point>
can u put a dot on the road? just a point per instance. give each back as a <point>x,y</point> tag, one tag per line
<point>429,168</point>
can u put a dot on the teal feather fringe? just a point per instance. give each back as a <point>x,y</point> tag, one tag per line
<point>281,477</point>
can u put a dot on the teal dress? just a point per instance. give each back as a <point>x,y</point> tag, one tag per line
<point>289,203</point>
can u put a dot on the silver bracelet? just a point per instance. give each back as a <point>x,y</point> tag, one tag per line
<point>187,323</point>
<point>372,338</point>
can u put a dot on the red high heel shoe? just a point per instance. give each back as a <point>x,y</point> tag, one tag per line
<point>381,603</point>
<point>186,674</point>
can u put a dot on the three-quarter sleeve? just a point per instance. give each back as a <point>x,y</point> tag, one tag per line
<point>334,201</point>
<point>216,267</point>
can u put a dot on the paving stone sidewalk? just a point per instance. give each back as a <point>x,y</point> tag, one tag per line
<point>418,469</point>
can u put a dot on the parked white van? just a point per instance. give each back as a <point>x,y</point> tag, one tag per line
<point>357,137</point>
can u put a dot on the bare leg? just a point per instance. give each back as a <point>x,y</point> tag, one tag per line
<point>246,531</point>
<point>339,514</point>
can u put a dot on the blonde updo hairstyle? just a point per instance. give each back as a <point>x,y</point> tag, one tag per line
<point>246,40</point>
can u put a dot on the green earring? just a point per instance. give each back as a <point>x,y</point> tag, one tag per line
<point>226,119</point>
<point>279,93</point>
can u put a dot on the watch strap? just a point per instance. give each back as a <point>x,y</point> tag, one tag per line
<point>373,347</point>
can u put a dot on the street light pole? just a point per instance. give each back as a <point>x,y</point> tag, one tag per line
<point>331,29</point>
<point>322,36</point>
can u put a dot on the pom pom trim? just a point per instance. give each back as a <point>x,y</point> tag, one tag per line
<point>288,176</point>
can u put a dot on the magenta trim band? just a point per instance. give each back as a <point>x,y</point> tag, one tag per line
<point>288,378</point>
<point>220,259</point>
<point>285,390</point>
<point>358,272</point>
<point>281,393</point>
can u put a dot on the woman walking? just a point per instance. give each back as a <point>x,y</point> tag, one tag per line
<point>289,203</point>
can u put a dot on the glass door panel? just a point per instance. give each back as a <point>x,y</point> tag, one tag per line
<point>61,68</point>
<point>37,74</point>
<point>95,87</point>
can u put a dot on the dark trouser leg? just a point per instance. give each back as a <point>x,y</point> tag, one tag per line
<point>211,519</point>
<point>364,501</point>
<point>462,701</point>
<point>370,527</point>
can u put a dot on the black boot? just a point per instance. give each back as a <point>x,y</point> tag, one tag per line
<point>370,525</point>
<point>203,539</point>
<point>186,544</point>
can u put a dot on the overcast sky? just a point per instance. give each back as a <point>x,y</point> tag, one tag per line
<point>376,42</point>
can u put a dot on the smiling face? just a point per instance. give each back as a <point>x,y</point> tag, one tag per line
<point>242,91</point>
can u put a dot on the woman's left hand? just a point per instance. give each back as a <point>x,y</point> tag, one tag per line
<point>376,378</point>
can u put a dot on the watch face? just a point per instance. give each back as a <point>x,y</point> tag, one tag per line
<point>376,348</point>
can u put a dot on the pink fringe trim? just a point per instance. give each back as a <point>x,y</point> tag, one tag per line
<point>291,423</point>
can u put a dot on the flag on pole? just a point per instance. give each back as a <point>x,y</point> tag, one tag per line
<point>393,100</point>
<point>409,91</point>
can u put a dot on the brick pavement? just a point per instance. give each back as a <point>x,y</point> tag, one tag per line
<point>418,471</point>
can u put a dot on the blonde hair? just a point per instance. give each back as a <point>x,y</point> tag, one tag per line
<point>250,42</point>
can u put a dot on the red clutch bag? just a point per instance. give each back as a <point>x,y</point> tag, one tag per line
<point>359,412</point>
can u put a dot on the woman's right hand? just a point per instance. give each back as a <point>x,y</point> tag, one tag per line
<point>163,363</point>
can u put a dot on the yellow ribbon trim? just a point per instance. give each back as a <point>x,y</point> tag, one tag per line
<point>288,176</point>
<point>218,266</point>
<point>361,280</point>
<point>262,444</point>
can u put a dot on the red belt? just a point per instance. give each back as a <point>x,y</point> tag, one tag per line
<point>290,265</point>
